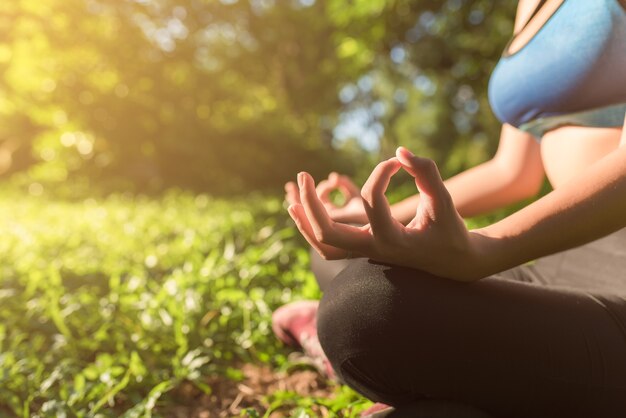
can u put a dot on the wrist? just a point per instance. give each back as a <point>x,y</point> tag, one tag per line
<point>491,251</point>
<point>464,259</point>
<point>474,259</point>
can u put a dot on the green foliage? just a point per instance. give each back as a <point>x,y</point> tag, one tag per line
<point>345,403</point>
<point>169,92</point>
<point>106,306</point>
<point>427,86</point>
<point>231,96</point>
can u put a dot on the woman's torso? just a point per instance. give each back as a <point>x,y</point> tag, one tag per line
<point>570,57</point>
<point>567,151</point>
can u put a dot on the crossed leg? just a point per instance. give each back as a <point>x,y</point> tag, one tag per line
<point>510,348</point>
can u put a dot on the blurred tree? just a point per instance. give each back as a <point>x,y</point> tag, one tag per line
<point>237,95</point>
<point>427,88</point>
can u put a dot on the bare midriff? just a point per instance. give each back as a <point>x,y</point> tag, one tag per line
<point>567,151</point>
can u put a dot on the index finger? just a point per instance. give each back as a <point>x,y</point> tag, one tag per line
<point>325,229</point>
<point>374,199</point>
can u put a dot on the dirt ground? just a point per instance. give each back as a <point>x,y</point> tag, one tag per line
<point>229,398</point>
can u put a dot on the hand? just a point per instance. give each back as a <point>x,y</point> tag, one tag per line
<point>435,240</point>
<point>352,211</point>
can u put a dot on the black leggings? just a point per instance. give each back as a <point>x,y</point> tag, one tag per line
<point>541,340</point>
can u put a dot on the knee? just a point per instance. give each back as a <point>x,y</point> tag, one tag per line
<point>354,308</point>
<point>373,317</point>
<point>362,326</point>
<point>369,302</point>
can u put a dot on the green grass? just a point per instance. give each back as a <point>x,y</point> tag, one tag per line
<point>107,306</point>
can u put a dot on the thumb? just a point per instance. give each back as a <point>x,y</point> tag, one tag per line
<point>349,188</point>
<point>426,174</point>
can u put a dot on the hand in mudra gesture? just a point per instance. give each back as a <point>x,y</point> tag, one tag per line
<point>435,240</point>
<point>351,211</point>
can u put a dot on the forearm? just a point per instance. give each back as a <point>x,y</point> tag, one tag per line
<point>515,173</point>
<point>478,190</point>
<point>588,207</point>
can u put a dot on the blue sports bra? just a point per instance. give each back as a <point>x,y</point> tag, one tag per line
<point>573,71</point>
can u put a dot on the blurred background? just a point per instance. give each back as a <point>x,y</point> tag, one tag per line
<point>231,96</point>
<point>144,145</point>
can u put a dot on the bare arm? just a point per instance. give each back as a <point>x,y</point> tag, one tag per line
<point>515,173</point>
<point>436,240</point>
<point>590,206</point>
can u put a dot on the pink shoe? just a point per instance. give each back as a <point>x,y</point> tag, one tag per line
<point>295,324</point>
<point>291,320</point>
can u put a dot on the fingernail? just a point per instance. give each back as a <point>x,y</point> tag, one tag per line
<point>405,151</point>
<point>300,179</point>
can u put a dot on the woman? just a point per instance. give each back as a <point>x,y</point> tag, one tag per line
<point>546,339</point>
